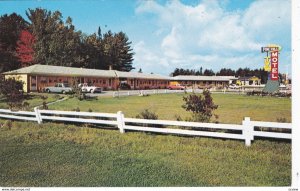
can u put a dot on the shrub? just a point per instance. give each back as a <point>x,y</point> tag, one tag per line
<point>25,106</point>
<point>77,90</point>
<point>56,96</point>
<point>77,109</point>
<point>12,90</point>
<point>202,107</point>
<point>44,97</point>
<point>146,114</point>
<point>44,106</point>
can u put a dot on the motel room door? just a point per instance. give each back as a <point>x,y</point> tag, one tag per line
<point>33,83</point>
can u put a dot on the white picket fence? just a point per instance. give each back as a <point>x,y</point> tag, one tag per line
<point>149,92</point>
<point>246,131</point>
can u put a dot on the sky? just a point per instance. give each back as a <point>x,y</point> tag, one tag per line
<point>190,34</point>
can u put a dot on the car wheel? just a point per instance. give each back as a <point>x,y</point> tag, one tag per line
<point>48,91</point>
<point>64,92</point>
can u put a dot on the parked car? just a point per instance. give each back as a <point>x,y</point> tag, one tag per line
<point>59,88</point>
<point>91,89</point>
<point>124,86</point>
<point>176,87</point>
<point>234,86</point>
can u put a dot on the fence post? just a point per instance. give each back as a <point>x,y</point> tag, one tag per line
<point>121,123</point>
<point>38,115</point>
<point>248,129</point>
<point>114,94</point>
<point>128,93</point>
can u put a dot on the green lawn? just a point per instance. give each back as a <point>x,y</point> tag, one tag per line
<point>232,108</point>
<point>34,99</point>
<point>67,155</point>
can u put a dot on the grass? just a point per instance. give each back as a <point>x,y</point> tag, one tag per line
<point>53,154</point>
<point>66,155</point>
<point>34,99</point>
<point>232,108</point>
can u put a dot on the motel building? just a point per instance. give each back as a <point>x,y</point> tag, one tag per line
<point>37,77</point>
<point>204,81</point>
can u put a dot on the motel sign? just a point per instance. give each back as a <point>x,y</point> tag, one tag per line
<point>271,62</point>
<point>274,65</point>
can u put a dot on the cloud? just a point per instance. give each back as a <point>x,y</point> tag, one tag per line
<point>210,36</point>
<point>148,60</point>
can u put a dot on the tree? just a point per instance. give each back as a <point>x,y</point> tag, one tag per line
<point>40,26</point>
<point>11,90</point>
<point>208,72</point>
<point>24,48</point>
<point>226,72</point>
<point>202,107</point>
<point>10,28</point>
<point>57,43</point>
<point>91,50</point>
<point>200,71</point>
<point>117,51</point>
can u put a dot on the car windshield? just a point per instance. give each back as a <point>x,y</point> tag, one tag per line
<point>66,85</point>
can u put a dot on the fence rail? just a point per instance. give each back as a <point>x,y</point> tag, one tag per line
<point>246,131</point>
<point>149,92</point>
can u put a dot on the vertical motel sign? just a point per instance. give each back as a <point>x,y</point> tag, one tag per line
<point>271,63</point>
<point>274,65</point>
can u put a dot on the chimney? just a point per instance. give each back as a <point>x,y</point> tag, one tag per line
<point>110,67</point>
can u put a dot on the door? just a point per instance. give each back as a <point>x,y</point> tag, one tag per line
<point>33,83</point>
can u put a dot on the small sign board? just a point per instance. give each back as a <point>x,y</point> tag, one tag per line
<point>269,49</point>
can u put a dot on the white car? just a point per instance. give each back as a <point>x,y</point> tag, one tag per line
<point>89,89</point>
<point>234,86</point>
<point>59,88</point>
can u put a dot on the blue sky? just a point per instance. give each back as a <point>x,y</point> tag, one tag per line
<point>187,33</point>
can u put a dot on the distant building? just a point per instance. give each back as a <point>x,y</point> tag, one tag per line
<point>248,81</point>
<point>204,81</point>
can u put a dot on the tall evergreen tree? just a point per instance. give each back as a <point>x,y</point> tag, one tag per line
<point>117,51</point>
<point>208,72</point>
